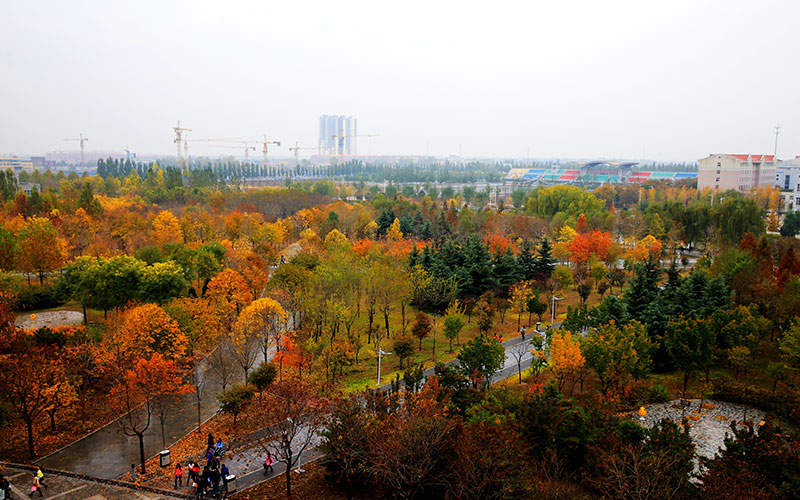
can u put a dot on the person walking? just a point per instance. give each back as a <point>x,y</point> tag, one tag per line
<point>40,475</point>
<point>268,461</point>
<point>5,488</point>
<point>214,477</point>
<point>224,473</point>
<point>179,476</point>
<point>522,332</point>
<point>37,486</point>
<point>210,442</point>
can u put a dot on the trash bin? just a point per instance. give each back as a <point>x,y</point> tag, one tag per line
<point>164,458</point>
<point>231,478</point>
<point>538,326</point>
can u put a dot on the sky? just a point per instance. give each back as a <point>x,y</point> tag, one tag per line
<point>670,81</point>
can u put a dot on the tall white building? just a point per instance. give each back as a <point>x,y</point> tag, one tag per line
<point>787,179</point>
<point>739,172</point>
<point>337,134</point>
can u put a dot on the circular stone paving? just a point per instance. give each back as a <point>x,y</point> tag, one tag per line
<point>708,426</point>
<point>50,319</point>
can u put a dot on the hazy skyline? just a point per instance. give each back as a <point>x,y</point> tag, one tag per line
<point>668,80</point>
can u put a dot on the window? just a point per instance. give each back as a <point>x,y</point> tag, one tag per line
<point>717,179</point>
<point>717,171</point>
<point>719,164</point>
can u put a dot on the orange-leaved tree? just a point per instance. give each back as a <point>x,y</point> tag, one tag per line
<point>140,332</point>
<point>39,248</point>
<point>138,392</point>
<point>566,360</point>
<point>229,294</point>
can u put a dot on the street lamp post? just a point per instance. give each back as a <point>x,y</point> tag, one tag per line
<point>380,353</point>
<point>553,309</point>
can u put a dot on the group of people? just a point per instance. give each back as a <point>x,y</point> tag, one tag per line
<point>5,488</point>
<point>212,479</point>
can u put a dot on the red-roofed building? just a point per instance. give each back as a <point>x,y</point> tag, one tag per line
<point>741,172</point>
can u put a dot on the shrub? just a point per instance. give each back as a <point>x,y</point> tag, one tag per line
<point>31,298</point>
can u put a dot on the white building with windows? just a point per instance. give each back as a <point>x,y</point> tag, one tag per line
<point>787,179</point>
<point>740,172</point>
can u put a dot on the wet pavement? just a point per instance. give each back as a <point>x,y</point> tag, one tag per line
<point>69,488</point>
<point>108,453</point>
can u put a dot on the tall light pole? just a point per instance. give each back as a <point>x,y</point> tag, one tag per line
<point>380,353</point>
<point>553,309</point>
<point>777,131</point>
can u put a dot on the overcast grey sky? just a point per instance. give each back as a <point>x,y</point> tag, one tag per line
<point>556,78</point>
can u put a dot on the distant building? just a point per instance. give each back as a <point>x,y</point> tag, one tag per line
<point>15,163</point>
<point>593,173</point>
<point>27,187</point>
<point>739,172</point>
<point>337,134</point>
<point>787,179</point>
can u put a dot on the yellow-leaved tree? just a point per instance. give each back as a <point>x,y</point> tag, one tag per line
<point>335,240</point>
<point>394,233</point>
<point>566,360</point>
<point>263,321</point>
<point>166,228</point>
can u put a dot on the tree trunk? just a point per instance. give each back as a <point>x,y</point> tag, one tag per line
<point>29,425</point>
<point>163,435</point>
<point>289,476</point>
<point>519,371</point>
<point>451,345</point>
<point>85,319</point>
<point>140,435</point>
<point>52,415</point>
<point>386,321</point>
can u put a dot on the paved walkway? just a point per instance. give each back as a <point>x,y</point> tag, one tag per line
<point>72,488</point>
<point>247,462</point>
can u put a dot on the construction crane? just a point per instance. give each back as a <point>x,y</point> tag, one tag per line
<point>129,153</point>
<point>341,138</point>
<point>297,150</point>
<point>82,140</point>
<point>266,149</point>
<point>179,138</point>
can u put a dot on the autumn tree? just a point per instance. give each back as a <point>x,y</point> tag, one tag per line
<point>263,319</point>
<point>422,327</point>
<point>566,359</point>
<point>27,375</point>
<point>301,416</point>
<point>166,228</point>
<point>520,295</point>
<point>229,294</point>
<point>39,248</point>
<point>137,393</point>
<point>144,330</point>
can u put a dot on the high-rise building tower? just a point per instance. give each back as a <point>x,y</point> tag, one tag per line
<point>337,134</point>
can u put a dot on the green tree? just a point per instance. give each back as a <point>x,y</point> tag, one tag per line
<point>791,225</point>
<point>453,323</point>
<point>161,281</point>
<point>689,344</point>
<point>480,359</point>
<point>234,400</point>
<point>263,376</point>
<point>403,348</point>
